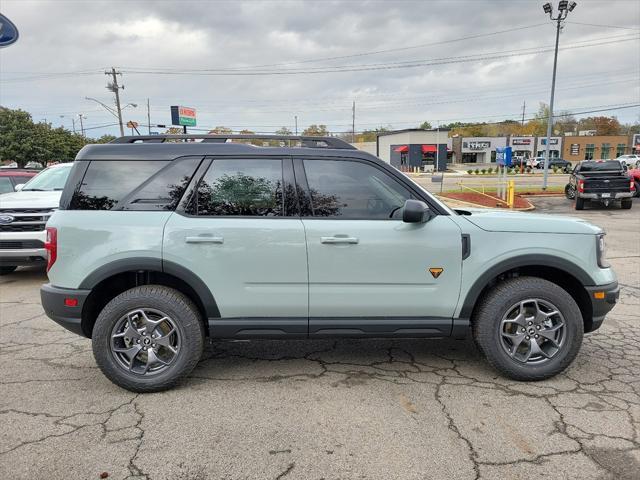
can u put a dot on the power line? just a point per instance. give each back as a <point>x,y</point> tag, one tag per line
<point>603,26</point>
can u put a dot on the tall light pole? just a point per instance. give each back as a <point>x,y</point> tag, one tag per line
<point>564,7</point>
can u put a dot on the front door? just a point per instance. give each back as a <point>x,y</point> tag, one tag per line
<point>369,272</point>
<point>242,238</point>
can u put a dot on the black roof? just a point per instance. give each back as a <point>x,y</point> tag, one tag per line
<point>169,147</point>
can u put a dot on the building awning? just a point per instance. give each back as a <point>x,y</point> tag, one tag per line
<point>431,149</point>
<point>401,149</point>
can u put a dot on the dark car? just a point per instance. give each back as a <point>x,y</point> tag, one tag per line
<point>604,181</point>
<point>10,177</point>
<point>559,163</point>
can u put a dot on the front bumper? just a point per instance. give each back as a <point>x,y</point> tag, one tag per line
<point>603,299</point>
<point>22,248</point>
<point>53,303</point>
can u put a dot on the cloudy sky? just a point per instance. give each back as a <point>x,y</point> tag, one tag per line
<point>258,64</point>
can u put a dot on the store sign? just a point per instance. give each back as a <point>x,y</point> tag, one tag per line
<point>521,141</point>
<point>575,149</point>
<point>552,141</point>
<point>476,145</point>
<point>185,116</point>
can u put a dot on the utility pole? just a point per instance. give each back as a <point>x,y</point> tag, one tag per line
<point>148,117</point>
<point>73,123</point>
<point>296,120</point>
<point>353,123</point>
<point>524,105</point>
<point>115,88</point>
<point>81,124</point>
<point>564,7</point>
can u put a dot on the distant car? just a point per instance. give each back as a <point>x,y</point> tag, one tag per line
<point>635,175</point>
<point>604,181</point>
<point>559,163</point>
<point>533,162</point>
<point>631,161</point>
<point>11,177</point>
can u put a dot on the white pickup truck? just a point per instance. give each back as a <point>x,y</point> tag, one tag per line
<point>23,215</point>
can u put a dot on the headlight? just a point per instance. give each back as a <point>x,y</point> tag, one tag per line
<point>600,251</point>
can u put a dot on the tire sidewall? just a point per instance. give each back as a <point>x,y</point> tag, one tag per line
<point>574,330</point>
<point>185,321</point>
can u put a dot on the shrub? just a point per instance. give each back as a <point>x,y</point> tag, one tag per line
<point>483,171</point>
<point>476,172</point>
<point>469,171</point>
<point>528,170</point>
<point>555,169</point>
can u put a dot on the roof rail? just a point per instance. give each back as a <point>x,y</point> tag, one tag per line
<point>302,141</point>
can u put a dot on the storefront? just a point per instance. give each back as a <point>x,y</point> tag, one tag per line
<point>555,147</point>
<point>523,147</point>
<point>415,149</point>
<point>481,149</point>
<point>595,147</point>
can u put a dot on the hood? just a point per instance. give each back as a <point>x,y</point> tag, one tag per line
<point>505,221</point>
<point>30,199</point>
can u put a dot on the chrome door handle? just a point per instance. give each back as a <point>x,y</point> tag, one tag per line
<point>339,240</point>
<point>204,239</point>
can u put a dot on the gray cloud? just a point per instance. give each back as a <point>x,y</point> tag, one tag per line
<point>87,36</point>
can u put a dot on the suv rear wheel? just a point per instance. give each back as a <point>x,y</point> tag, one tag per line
<point>148,338</point>
<point>528,328</point>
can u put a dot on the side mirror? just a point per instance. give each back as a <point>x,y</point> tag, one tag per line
<point>416,211</point>
<point>18,187</point>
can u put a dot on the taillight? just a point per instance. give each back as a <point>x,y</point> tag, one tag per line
<point>633,186</point>
<point>581,186</point>
<point>51,246</point>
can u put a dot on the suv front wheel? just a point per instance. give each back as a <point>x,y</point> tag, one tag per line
<point>528,328</point>
<point>148,338</point>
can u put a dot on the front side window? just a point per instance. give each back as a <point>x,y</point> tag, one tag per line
<point>241,187</point>
<point>106,183</point>
<point>351,189</point>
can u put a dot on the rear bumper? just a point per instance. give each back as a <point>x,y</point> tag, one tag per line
<point>53,298</point>
<point>601,306</point>
<point>613,195</point>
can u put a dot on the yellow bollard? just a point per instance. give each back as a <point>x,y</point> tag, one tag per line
<point>512,194</point>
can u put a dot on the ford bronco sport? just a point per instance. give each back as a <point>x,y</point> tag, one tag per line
<point>162,241</point>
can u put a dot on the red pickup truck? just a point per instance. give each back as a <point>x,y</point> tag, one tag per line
<point>10,177</point>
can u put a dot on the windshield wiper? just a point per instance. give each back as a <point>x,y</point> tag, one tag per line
<point>33,190</point>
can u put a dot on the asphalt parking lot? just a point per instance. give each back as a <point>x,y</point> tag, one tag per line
<point>326,409</point>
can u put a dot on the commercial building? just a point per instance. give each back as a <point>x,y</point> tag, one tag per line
<point>481,149</point>
<point>555,147</point>
<point>523,146</point>
<point>595,147</point>
<point>415,148</point>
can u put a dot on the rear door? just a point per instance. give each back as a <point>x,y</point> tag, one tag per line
<point>369,272</point>
<point>240,233</point>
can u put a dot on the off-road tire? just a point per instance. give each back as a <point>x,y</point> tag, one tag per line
<point>637,189</point>
<point>7,270</point>
<point>488,317</point>
<point>569,191</point>
<point>626,203</point>
<point>579,203</point>
<point>187,320</point>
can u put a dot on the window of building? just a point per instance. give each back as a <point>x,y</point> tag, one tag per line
<point>106,183</point>
<point>620,149</point>
<point>604,152</point>
<point>350,189</point>
<point>241,187</point>
<point>589,150</point>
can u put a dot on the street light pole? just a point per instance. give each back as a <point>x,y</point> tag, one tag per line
<point>564,7</point>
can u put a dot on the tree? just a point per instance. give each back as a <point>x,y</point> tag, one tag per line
<point>602,125</point>
<point>425,126</point>
<point>369,135</point>
<point>283,131</point>
<point>316,131</point>
<point>105,138</point>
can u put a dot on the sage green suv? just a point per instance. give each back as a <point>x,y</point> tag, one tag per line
<point>162,241</point>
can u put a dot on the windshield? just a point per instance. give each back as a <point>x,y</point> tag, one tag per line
<point>600,166</point>
<point>50,179</point>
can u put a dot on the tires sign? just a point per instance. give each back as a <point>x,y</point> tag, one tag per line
<point>185,116</point>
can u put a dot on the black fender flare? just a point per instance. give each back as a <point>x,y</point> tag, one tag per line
<point>531,260</point>
<point>155,265</point>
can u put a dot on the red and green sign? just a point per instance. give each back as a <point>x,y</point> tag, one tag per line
<point>185,116</point>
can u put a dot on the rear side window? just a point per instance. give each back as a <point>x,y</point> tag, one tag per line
<point>108,182</point>
<point>600,166</point>
<point>241,187</point>
<point>350,189</point>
